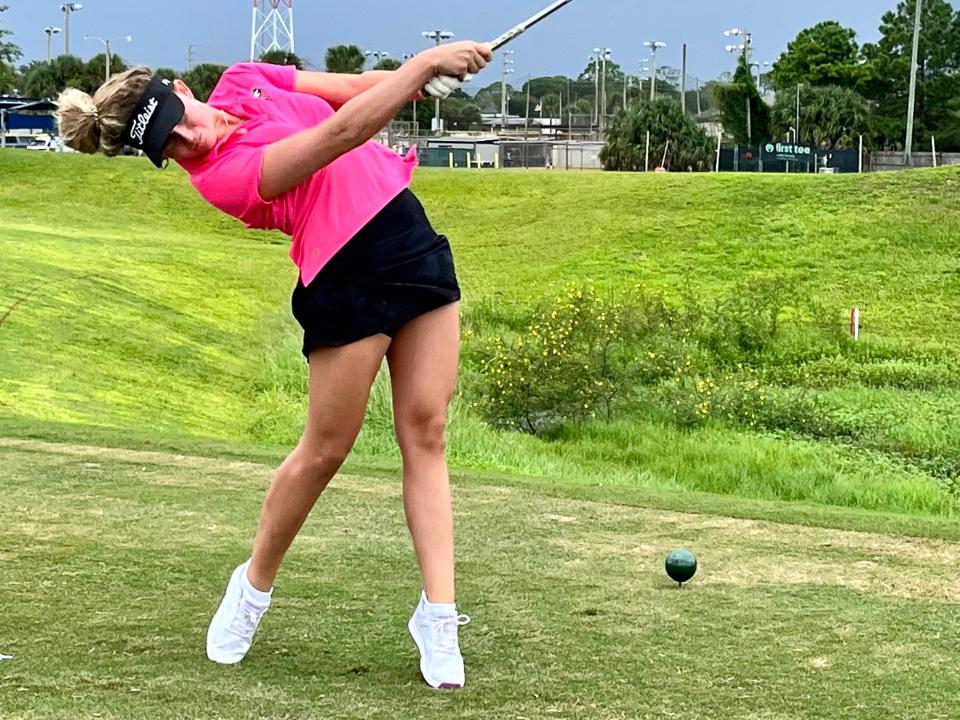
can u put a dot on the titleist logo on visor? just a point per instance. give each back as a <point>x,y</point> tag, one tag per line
<point>142,120</point>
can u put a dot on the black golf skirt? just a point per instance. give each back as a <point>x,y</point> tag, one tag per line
<point>392,271</point>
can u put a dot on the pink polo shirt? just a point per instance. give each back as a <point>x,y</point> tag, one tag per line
<point>322,213</point>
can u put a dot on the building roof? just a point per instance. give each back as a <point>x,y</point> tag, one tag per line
<point>21,104</point>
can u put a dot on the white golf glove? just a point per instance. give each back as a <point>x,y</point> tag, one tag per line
<point>443,86</point>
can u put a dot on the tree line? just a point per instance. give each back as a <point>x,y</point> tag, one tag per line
<point>841,90</point>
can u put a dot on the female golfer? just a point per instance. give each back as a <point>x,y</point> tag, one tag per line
<point>291,150</point>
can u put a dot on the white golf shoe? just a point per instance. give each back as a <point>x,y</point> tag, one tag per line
<point>230,634</point>
<point>435,633</point>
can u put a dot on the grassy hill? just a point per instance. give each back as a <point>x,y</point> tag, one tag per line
<point>135,306</point>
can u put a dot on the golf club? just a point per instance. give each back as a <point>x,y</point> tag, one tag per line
<point>527,24</point>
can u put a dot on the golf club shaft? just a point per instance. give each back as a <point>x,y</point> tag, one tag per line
<point>527,24</point>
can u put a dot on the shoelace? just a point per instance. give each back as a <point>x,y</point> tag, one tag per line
<point>245,620</point>
<point>445,633</point>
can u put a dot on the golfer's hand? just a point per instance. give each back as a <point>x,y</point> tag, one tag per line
<point>459,59</point>
<point>443,86</point>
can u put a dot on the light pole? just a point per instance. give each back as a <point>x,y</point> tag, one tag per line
<point>50,31</point>
<point>106,44</point>
<point>378,54</point>
<point>68,9</point>
<point>917,24</point>
<point>603,54</point>
<point>759,66</point>
<point>416,122</point>
<point>654,45</point>
<point>744,48</point>
<point>507,70</point>
<point>643,69</point>
<point>735,48</point>
<point>797,129</point>
<point>747,36</point>
<point>438,36</point>
<point>595,62</point>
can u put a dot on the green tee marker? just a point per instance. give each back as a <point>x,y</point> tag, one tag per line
<point>681,566</point>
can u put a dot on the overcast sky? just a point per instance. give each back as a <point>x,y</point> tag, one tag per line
<point>220,30</point>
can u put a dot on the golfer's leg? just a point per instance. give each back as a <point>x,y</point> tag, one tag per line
<point>340,380</point>
<point>423,359</point>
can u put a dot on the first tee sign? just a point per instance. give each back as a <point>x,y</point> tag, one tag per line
<point>789,152</point>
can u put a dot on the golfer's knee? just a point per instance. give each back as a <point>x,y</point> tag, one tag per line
<point>422,432</point>
<point>320,463</point>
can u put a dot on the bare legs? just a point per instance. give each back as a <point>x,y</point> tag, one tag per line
<point>423,362</point>
<point>423,359</point>
<point>340,380</point>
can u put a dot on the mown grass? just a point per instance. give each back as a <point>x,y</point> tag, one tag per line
<point>110,575</point>
<point>150,312</point>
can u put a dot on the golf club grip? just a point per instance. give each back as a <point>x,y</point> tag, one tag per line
<point>515,32</point>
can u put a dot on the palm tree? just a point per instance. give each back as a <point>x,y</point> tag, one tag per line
<point>345,59</point>
<point>388,64</point>
<point>281,57</point>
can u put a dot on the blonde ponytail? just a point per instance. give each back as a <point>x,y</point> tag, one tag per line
<point>91,124</point>
<point>79,120</point>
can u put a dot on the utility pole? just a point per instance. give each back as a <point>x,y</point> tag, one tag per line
<point>106,44</point>
<point>914,66</point>
<point>683,81</point>
<point>191,56</point>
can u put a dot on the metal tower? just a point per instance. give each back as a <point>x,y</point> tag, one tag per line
<point>272,27</point>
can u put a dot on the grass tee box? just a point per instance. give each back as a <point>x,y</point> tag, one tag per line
<point>110,575</point>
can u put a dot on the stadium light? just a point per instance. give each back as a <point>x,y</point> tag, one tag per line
<point>67,9</point>
<point>654,45</point>
<point>438,36</point>
<point>50,31</point>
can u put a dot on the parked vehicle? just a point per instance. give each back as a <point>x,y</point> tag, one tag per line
<point>44,143</point>
<point>12,140</point>
<point>48,143</point>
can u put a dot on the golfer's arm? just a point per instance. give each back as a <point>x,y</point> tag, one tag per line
<point>338,88</point>
<point>289,162</point>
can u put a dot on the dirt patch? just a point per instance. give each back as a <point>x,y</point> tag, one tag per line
<point>148,457</point>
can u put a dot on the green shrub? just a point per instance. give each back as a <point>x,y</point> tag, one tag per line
<point>739,398</point>
<point>742,323</point>
<point>581,356</point>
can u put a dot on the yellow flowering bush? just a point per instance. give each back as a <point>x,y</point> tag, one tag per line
<point>581,356</point>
